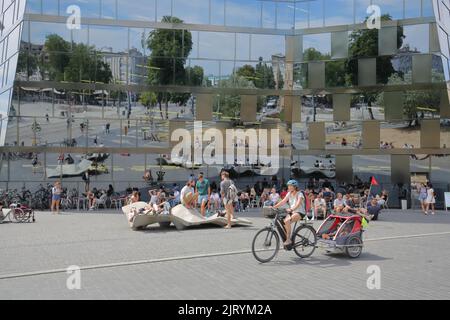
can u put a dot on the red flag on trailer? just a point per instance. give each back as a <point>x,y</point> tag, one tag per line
<point>374,182</point>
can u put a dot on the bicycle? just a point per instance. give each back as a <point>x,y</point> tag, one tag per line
<point>304,238</point>
<point>18,213</point>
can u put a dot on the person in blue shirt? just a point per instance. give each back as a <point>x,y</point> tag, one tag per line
<point>203,190</point>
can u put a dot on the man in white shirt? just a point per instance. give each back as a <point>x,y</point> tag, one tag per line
<point>339,203</point>
<point>187,195</point>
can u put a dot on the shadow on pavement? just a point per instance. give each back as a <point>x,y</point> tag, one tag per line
<point>158,229</point>
<point>329,260</point>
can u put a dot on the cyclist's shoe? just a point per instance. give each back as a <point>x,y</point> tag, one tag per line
<point>288,247</point>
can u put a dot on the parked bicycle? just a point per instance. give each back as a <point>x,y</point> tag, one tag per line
<point>68,199</point>
<point>266,243</point>
<point>17,213</point>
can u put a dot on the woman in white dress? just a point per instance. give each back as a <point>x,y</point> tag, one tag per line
<point>431,199</point>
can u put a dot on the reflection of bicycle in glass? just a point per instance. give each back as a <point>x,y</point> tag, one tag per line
<point>266,243</point>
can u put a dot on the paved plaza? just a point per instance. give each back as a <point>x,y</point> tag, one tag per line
<point>411,250</point>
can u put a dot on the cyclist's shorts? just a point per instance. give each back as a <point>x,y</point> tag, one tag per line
<point>302,215</point>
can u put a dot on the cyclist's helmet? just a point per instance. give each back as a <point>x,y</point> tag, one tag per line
<point>293,183</point>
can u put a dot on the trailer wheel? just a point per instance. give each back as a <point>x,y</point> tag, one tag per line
<point>354,247</point>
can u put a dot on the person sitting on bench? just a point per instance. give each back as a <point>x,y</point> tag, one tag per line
<point>188,196</point>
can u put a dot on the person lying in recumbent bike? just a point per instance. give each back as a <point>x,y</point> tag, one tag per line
<point>296,211</point>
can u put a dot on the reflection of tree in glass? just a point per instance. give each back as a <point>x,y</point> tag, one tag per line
<point>148,99</point>
<point>27,63</point>
<point>418,103</point>
<point>63,61</point>
<point>364,44</point>
<point>169,51</point>
<point>262,77</point>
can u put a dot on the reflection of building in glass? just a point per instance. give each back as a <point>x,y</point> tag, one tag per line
<point>140,65</point>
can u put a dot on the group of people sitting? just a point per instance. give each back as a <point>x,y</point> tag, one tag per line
<point>161,201</point>
<point>320,203</point>
<point>97,197</point>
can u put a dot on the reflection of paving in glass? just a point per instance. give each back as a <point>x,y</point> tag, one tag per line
<point>56,129</point>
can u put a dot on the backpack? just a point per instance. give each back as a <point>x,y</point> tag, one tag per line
<point>232,192</point>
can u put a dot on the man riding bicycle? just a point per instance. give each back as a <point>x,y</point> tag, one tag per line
<point>296,210</point>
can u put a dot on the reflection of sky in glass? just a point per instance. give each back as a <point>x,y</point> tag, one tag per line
<point>361,10</point>
<point>338,12</point>
<point>89,9</point>
<point>320,42</point>
<point>226,68</point>
<point>40,30</point>
<point>285,15</point>
<point>141,10</point>
<point>216,45</point>
<point>267,45</point>
<point>164,8</point>
<point>242,14</point>
<point>217,12</point>
<point>412,8</point>
<point>392,7</point>
<point>316,13</point>
<point>137,37</point>
<point>242,46</point>
<point>211,68</point>
<point>268,15</point>
<point>108,38</point>
<point>50,7</point>
<point>301,15</point>
<point>33,6</point>
<point>192,11</point>
<point>80,35</point>
<point>108,10</point>
<point>417,37</point>
<point>194,51</point>
<point>427,7</point>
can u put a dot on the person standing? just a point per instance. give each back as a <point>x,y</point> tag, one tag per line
<point>203,191</point>
<point>56,197</point>
<point>229,193</point>
<point>87,181</point>
<point>431,199</point>
<point>423,196</point>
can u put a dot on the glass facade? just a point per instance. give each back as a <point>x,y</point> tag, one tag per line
<point>136,66</point>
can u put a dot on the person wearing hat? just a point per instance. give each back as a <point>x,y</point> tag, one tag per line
<point>296,211</point>
<point>203,192</point>
<point>187,196</point>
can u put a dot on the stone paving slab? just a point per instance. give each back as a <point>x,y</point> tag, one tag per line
<point>411,267</point>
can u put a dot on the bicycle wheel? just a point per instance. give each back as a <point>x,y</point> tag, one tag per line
<point>265,245</point>
<point>19,215</point>
<point>305,240</point>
